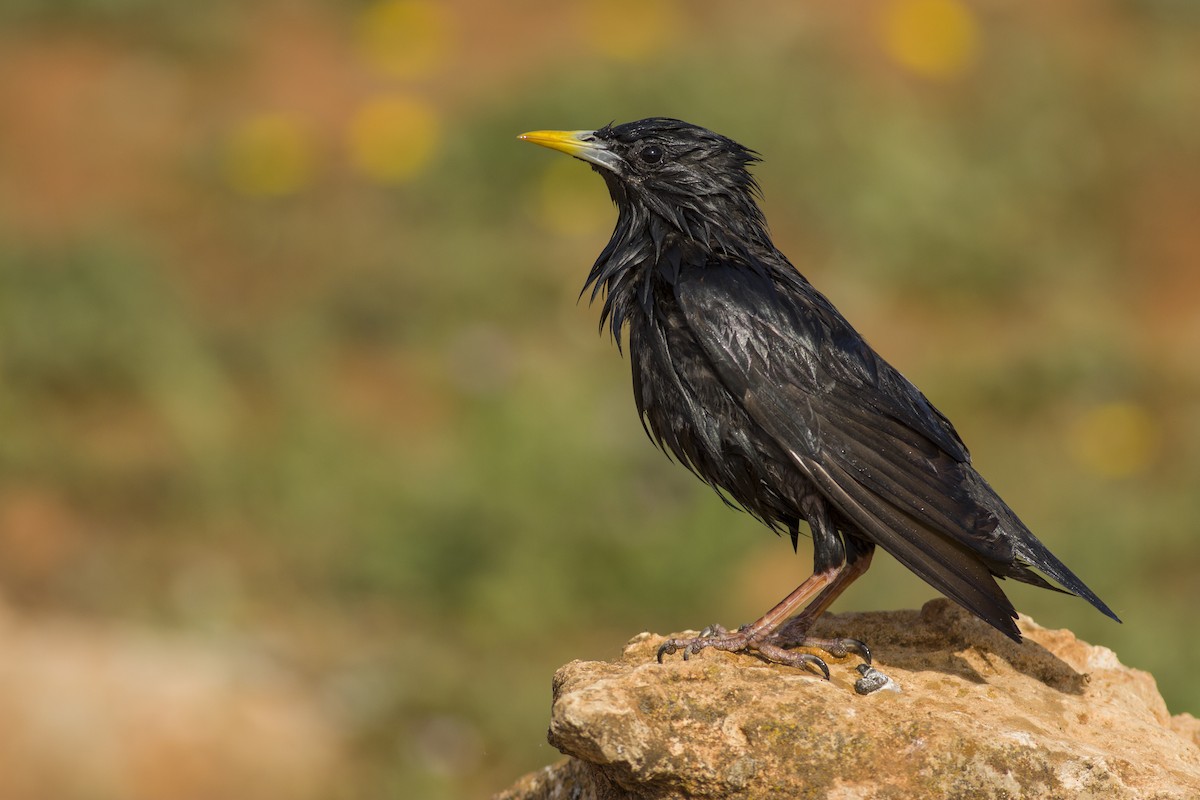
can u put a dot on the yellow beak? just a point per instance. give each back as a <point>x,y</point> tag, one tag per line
<point>581,144</point>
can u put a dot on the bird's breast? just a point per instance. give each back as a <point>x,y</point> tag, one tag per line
<point>689,413</point>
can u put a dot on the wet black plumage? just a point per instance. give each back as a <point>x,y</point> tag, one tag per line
<point>752,379</point>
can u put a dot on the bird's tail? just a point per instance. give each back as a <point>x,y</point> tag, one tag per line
<point>1031,559</point>
<point>1038,560</point>
<point>949,566</point>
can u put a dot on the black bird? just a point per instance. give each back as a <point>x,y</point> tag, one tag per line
<point>754,381</point>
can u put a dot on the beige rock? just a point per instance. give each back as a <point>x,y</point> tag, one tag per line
<point>977,716</point>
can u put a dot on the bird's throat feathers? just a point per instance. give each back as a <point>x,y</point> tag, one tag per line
<point>655,235</point>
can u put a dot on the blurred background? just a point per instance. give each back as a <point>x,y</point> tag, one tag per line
<point>312,467</point>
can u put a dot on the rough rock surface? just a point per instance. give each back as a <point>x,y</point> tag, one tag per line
<point>977,716</point>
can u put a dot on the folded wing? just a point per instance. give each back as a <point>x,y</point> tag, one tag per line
<point>879,452</point>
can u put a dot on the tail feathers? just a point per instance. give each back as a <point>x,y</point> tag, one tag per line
<point>960,575</point>
<point>1021,572</point>
<point>1030,559</point>
<point>956,568</point>
<point>951,568</point>
<point>1033,555</point>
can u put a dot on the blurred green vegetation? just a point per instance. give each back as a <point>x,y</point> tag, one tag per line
<point>291,352</point>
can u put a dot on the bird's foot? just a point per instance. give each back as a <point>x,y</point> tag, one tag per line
<point>838,648</point>
<point>740,641</point>
<point>713,636</point>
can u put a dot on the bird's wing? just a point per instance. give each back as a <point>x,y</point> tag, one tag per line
<point>869,440</point>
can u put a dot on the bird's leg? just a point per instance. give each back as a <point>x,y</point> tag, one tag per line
<point>846,557</point>
<point>748,638</point>
<point>794,633</point>
<point>837,562</point>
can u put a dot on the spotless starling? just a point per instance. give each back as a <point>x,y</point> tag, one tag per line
<point>754,381</point>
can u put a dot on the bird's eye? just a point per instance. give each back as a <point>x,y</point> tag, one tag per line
<point>651,154</point>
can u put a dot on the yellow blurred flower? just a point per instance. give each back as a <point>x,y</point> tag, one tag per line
<point>392,138</point>
<point>933,38</point>
<point>569,201</point>
<point>268,154</point>
<point>630,30</point>
<point>404,38</point>
<point>1114,440</point>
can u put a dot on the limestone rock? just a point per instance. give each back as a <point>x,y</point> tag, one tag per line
<point>976,716</point>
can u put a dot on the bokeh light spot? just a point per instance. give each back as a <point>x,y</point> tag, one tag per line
<point>933,38</point>
<point>404,38</point>
<point>571,200</point>
<point>630,30</point>
<point>268,154</point>
<point>392,138</point>
<point>1114,440</point>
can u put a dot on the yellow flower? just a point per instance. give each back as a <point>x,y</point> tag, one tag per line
<point>268,154</point>
<point>933,38</point>
<point>392,138</point>
<point>1114,440</point>
<point>404,38</point>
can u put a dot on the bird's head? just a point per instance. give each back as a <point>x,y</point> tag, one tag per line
<point>695,180</point>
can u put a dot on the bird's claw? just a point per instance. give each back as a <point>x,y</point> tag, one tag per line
<point>791,658</point>
<point>773,648</point>
<point>712,635</point>
<point>817,662</point>
<point>840,648</point>
<point>716,636</point>
<point>716,630</point>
